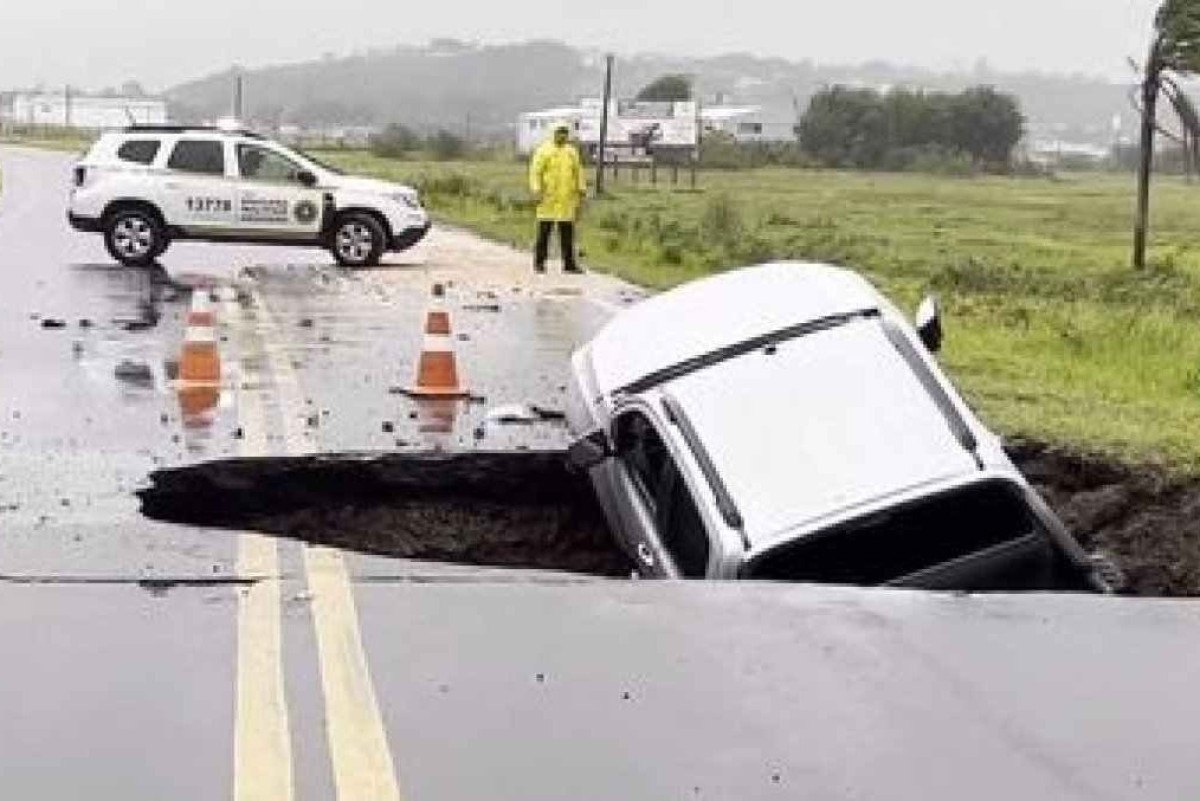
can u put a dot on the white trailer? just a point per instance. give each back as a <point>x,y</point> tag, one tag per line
<point>534,127</point>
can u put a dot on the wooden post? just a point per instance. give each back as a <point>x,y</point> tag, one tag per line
<point>608,69</point>
<point>1150,87</point>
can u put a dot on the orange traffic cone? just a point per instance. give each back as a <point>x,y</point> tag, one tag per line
<point>437,368</point>
<point>200,360</point>
<point>199,386</point>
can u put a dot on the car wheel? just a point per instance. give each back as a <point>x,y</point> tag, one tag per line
<point>358,240</point>
<point>134,237</point>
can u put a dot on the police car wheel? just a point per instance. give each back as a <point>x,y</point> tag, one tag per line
<point>358,241</point>
<point>134,237</point>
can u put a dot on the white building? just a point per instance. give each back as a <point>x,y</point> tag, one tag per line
<point>73,110</point>
<point>748,124</point>
<point>674,124</point>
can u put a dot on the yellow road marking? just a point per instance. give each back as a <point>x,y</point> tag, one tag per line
<point>362,760</point>
<point>262,741</point>
<point>262,769</point>
<point>358,745</point>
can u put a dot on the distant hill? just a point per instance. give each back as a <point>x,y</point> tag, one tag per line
<point>480,89</point>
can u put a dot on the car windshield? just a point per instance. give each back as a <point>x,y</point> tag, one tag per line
<point>889,545</point>
<point>311,159</point>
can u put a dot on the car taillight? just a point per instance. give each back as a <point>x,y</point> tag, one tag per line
<point>80,175</point>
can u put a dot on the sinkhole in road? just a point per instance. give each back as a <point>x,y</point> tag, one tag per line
<point>525,509</point>
<point>511,509</point>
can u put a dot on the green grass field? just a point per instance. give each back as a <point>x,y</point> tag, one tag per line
<point>1049,332</point>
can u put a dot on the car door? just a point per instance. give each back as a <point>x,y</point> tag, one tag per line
<point>198,194</point>
<point>272,201</point>
<point>661,523</point>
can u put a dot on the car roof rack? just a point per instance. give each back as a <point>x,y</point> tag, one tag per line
<point>190,129</point>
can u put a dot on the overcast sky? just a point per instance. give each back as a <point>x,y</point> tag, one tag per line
<point>93,43</point>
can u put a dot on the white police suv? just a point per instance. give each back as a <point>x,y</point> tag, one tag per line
<point>146,186</point>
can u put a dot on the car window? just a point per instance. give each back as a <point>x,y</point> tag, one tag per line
<point>677,519</point>
<point>203,156</point>
<point>642,452</point>
<point>262,164</point>
<point>895,543</point>
<point>681,527</point>
<point>139,151</point>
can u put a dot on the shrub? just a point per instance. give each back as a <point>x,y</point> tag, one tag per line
<point>394,142</point>
<point>445,146</point>
<point>453,184</point>
<point>721,223</point>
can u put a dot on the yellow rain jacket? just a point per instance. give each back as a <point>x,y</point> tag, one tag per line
<point>556,176</point>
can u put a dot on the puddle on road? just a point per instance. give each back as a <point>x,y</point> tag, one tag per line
<point>514,509</point>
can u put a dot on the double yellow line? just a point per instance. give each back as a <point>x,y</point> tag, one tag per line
<point>358,746</point>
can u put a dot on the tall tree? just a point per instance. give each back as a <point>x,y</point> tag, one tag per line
<point>667,88</point>
<point>1174,51</point>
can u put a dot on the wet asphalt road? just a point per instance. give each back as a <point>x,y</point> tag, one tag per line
<point>144,660</point>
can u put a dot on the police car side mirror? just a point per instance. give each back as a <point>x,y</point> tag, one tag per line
<point>306,178</point>
<point>589,451</point>
<point>929,323</point>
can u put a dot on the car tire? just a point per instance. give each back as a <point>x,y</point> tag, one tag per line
<point>135,237</point>
<point>357,240</point>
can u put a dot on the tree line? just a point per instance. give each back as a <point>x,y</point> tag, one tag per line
<point>903,129</point>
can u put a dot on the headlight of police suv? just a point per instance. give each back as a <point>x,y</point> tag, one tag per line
<point>409,199</point>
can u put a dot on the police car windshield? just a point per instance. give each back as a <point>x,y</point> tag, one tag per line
<point>315,161</point>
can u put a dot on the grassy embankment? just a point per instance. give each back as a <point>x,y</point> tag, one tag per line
<point>1049,332</point>
<point>66,141</point>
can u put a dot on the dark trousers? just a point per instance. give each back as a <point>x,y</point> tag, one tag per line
<point>566,238</point>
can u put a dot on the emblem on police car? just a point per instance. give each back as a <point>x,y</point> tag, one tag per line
<point>305,211</point>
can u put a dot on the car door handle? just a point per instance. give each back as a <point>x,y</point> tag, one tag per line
<point>172,185</point>
<point>645,554</point>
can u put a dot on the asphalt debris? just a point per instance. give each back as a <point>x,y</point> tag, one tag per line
<point>132,372</point>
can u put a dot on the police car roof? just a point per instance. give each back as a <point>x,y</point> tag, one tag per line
<point>191,129</point>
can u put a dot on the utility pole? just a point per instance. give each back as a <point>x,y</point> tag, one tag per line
<point>608,69</point>
<point>237,98</point>
<point>1150,88</point>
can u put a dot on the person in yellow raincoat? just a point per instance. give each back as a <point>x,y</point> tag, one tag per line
<point>557,181</point>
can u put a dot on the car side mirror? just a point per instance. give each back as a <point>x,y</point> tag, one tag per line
<point>589,450</point>
<point>929,323</point>
<point>306,178</point>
